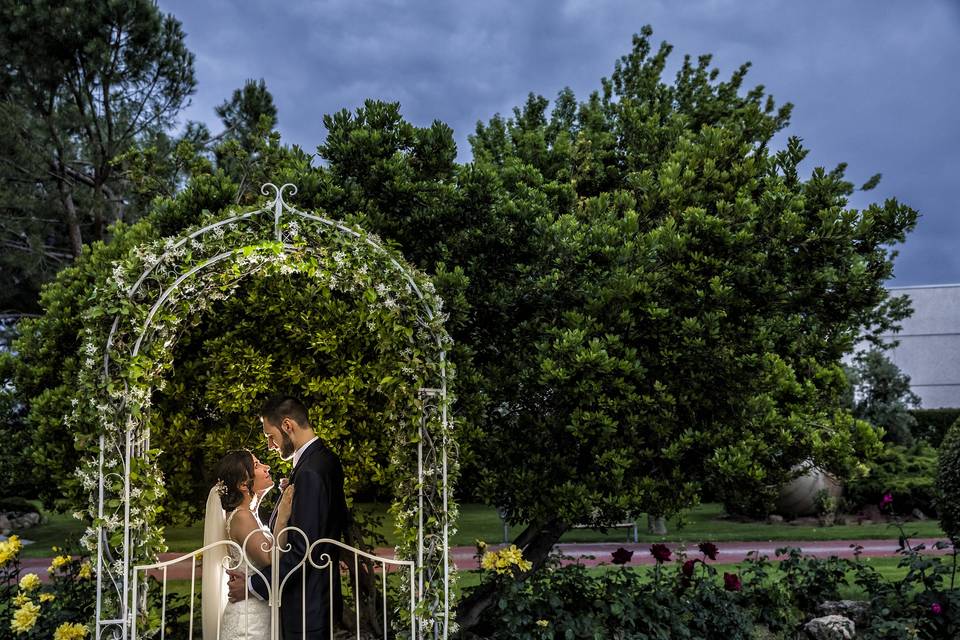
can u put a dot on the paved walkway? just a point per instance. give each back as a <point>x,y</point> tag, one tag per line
<point>593,554</point>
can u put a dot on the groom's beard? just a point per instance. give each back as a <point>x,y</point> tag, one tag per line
<point>287,447</point>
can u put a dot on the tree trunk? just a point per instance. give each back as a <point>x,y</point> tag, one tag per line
<point>70,214</point>
<point>536,542</point>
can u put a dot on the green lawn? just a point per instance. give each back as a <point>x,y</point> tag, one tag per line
<point>478,521</point>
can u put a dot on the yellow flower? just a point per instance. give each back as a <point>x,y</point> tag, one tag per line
<point>25,617</point>
<point>20,600</point>
<point>543,623</point>
<point>504,560</point>
<point>47,597</point>
<point>58,562</point>
<point>9,549</point>
<point>86,571</point>
<point>29,582</point>
<point>70,631</point>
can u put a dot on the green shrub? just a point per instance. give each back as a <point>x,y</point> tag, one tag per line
<point>932,424</point>
<point>569,602</point>
<point>948,482</point>
<point>907,473</point>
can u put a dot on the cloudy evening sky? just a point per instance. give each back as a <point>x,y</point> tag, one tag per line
<point>875,83</point>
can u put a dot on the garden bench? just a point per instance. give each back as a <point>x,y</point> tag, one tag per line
<point>620,525</point>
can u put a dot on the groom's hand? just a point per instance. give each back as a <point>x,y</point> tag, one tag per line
<point>237,585</point>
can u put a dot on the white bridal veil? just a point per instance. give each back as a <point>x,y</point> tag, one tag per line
<point>214,576</point>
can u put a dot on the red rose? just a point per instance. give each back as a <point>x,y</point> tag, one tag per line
<point>731,582</point>
<point>688,567</point>
<point>709,550</point>
<point>622,556</point>
<point>660,552</point>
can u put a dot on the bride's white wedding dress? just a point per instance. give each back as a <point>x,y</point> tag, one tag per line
<point>248,619</point>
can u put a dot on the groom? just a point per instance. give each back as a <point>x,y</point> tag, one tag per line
<point>319,510</point>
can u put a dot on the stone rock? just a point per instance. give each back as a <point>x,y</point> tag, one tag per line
<point>871,513</point>
<point>830,628</point>
<point>4,521</point>
<point>774,519</point>
<point>919,515</point>
<point>17,521</point>
<point>857,610</point>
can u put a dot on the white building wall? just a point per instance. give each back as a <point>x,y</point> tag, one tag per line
<point>929,349</point>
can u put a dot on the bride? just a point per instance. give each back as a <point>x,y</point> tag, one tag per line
<point>242,481</point>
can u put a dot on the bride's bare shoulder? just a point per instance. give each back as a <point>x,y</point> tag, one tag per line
<point>242,522</point>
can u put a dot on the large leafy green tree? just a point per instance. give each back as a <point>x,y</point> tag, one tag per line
<point>80,84</point>
<point>655,299</point>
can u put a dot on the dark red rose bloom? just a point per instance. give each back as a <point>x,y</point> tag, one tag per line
<point>731,582</point>
<point>622,556</point>
<point>660,552</point>
<point>936,609</point>
<point>688,567</point>
<point>709,550</point>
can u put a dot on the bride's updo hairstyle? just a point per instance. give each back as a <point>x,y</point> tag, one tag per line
<point>235,468</point>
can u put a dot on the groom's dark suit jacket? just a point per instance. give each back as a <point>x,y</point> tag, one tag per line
<point>320,511</point>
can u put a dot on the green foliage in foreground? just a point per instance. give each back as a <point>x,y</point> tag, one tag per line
<point>755,599</point>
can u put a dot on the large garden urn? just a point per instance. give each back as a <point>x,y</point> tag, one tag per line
<point>799,496</point>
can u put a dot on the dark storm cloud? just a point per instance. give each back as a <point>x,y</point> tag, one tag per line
<point>874,84</point>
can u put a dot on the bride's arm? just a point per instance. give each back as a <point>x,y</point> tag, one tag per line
<point>257,545</point>
<point>283,517</point>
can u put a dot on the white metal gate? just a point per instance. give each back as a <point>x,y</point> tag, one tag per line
<point>397,618</point>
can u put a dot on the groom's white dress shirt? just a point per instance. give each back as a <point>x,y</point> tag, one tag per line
<point>299,452</point>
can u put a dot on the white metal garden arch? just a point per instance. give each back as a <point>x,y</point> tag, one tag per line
<point>116,606</point>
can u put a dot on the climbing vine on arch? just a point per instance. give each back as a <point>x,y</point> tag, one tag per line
<point>323,311</point>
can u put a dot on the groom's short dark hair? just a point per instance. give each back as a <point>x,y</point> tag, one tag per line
<point>276,409</point>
